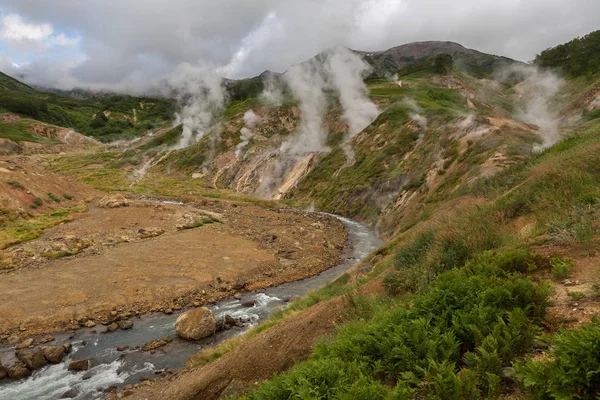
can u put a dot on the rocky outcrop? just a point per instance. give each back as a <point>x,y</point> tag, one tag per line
<point>114,201</point>
<point>53,354</point>
<point>196,324</point>
<point>33,359</point>
<point>18,371</point>
<point>150,232</point>
<point>79,365</point>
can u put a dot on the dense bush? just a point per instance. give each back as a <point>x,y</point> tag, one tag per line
<point>572,370</point>
<point>453,342</point>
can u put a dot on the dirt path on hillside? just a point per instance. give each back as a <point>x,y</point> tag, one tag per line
<point>134,259</point>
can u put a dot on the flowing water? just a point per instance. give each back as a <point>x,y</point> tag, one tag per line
<point>112,368</point>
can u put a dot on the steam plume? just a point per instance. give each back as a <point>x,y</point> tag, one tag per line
<point>536,92</point>
<point>307,83</point>
<point>202,98</point>
<point>246,133</point>
<point>346,72</point>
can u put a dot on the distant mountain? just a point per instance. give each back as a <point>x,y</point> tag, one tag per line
<point>468,60</point>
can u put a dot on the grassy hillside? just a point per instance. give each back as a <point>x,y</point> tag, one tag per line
<point>104,118</point>
<point>466,310</point>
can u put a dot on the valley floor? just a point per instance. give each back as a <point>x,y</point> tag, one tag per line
<point>146,256</point>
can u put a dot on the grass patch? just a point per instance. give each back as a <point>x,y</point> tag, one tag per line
<point>18,230</point>
<point>56,254</point>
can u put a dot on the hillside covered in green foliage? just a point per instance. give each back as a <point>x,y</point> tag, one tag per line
<point>580,56</point>
<point>105,118</point>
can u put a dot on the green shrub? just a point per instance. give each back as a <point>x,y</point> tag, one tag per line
<point>415,252</point>
<point>16,184</point>
<point>67,196</point>
<point>453,341</point>
<point>38,202</point>
<point>573,369</point>
<point>561,268</point>
<point>53,197</point>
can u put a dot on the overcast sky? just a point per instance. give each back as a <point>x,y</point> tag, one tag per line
<point>134,43</point>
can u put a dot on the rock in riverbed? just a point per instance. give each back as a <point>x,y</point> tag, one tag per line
<point>155,344</point>
<point>79,365</point>
<point>196,324</point>
<point>125,324</point>
<point>32,359</point>
<point>25,343</point>
<point>54,354</point>
<point>18,371</point>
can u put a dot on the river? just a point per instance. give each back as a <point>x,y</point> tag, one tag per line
<point>110,367</point>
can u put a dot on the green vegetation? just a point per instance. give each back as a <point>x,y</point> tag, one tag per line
<point>15,229</point>
<point>67,196</point>
<point>560,268</point>
<point>203,222</point>
<point>54,197</point>
<point>104,117</point>
<point>16,184</point>
<point>20,131</point>
<point>167,139</point>
<point>580,56</point>
<point>570,371</point>
<point>452,341</point>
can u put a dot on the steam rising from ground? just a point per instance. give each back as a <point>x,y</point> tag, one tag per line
<point>246,133</point>
<point>536,93</point>
<point>272,92</point>
<point>415,115</point>
<point>201,96</point>
<point>338,70</point>
<point>347,71</point>
<point>306,82</point>
<point>342,71</point>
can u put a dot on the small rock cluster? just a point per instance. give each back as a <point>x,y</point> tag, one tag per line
<point>30,359</point>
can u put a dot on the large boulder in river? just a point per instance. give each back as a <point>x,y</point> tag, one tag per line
<point>196,324</point>
<point>33,359</point>
<point>18,371</point>
<point>54,354</point>
<point>79,365</point>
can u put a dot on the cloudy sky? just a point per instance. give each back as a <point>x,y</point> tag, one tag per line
<point>131,44</point>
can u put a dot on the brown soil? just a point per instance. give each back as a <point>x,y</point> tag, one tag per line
<point>566,310</point>
<point>36,181</point>
<point>256,359</point>
<point>117,269</point>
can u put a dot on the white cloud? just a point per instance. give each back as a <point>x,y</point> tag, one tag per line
<point>148,39</point>
<point>18,33</point>
<point>13,28</point>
